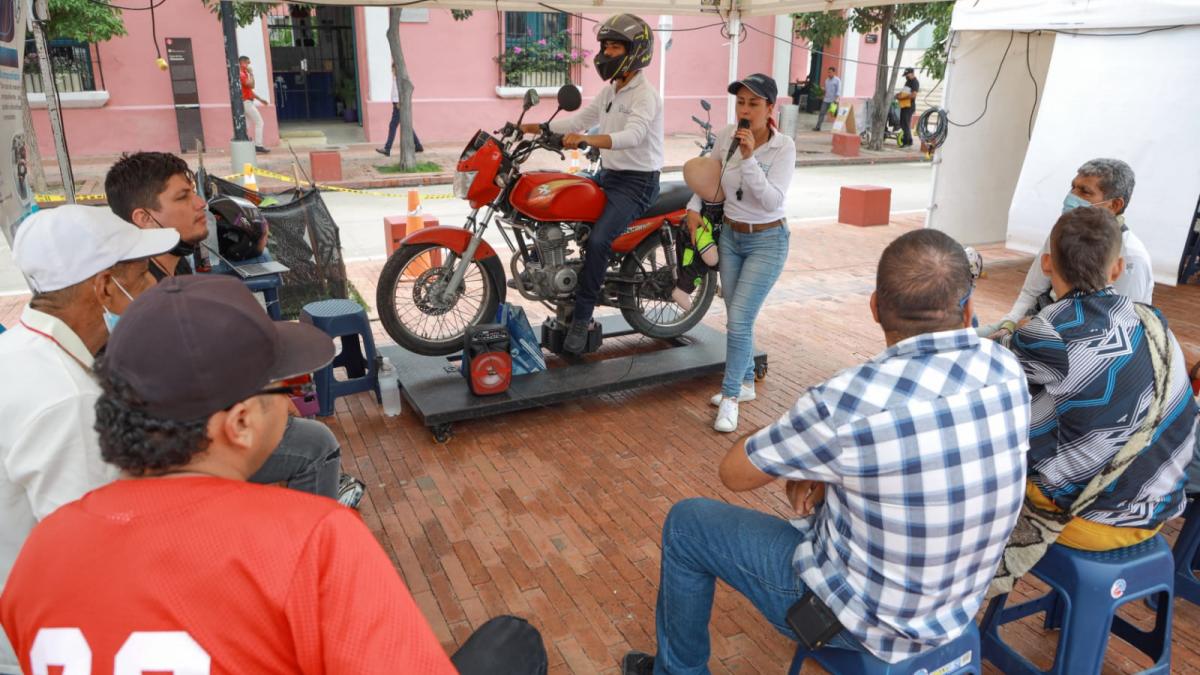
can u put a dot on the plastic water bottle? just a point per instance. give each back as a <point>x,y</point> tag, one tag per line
<point>389,388</point>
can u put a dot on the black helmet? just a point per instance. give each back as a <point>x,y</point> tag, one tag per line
<point>241,228</point>
<point>639,46</point>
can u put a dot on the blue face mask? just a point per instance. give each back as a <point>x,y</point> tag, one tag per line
<point>1074,201</point>
<point>110,318</point>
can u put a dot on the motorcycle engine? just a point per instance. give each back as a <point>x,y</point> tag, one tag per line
<point>552,275</point>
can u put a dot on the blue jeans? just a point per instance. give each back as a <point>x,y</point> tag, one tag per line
<point>750,265</point>
<point>394,124</point>
<point>706,540</point>
<point>629,194</point>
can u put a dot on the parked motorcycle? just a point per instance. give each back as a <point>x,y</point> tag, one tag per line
<point>441,280</point>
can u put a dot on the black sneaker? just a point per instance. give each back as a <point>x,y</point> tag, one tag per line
<point>385,153</point>
<point>577,337</point>
<point>261,150</point>
<point>350,490</point>
<point>637,663</point>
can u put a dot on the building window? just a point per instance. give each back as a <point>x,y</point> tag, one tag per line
<point>71,62</point>
<point>539,50</point>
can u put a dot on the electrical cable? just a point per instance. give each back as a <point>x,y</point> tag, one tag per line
<point>128,9</point>
<point>813,51</point>
<point>154,30</point>
<point>934,139</point>
<point>1036,90</point>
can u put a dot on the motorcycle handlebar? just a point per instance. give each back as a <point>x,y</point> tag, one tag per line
<point>703,125</point>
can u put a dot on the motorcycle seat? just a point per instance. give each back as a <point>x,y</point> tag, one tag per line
<point>672,196</point>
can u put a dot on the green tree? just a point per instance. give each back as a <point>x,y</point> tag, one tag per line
<point>243,12</point>
<point>900,22</point>
<point>819,28</point>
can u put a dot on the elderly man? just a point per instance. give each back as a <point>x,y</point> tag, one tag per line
<point>156,190</point>
<point>1107,183</point>
<point>48,452</point>
<point>920,456</point>
<point>186,567</point>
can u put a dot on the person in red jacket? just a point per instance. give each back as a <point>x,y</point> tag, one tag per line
<point>182,565</point>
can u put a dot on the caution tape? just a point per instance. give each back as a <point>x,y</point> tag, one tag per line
<point>61,198</point>
<point>51,199</point>
<point>335,188</point>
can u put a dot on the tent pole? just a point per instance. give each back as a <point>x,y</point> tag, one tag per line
<point>41,10</point>
<point>735,31</point>
<point>931,211</point>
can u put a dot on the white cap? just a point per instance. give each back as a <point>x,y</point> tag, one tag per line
<point>61,247</point>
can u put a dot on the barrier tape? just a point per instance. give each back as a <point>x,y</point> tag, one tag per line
<point>51,199</point>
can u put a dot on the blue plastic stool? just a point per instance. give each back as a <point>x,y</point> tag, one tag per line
<point>1187,555</point>
<point>1086,588</point>
<point>960,656</point>
<point>347,320</point>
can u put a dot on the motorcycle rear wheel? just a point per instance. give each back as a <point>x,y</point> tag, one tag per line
<point>410,311</point>
<point>656,317</point>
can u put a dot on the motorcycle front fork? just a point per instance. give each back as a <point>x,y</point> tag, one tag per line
<point>459,263</point>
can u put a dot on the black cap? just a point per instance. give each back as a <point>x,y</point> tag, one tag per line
<point>761,85</point>
<point>909,71</point>
<point>197,344</point>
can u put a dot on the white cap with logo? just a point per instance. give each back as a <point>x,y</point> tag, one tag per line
<point>64,246</point>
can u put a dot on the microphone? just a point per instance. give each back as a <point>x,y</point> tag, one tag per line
<point>742,124</point>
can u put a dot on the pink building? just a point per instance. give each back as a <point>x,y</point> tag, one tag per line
<point>328,71</point>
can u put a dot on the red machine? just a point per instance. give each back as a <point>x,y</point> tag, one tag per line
<point>443,280</point>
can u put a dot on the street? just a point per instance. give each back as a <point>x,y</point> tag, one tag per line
<point>813,196</point>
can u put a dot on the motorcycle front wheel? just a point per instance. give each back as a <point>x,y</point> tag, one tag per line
<point>658,316</point>
<point>411,307</point>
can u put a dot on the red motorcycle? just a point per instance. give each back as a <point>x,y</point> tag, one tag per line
<point>441,280</point>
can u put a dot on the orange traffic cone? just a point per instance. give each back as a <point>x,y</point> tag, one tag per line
<point>248,180</point>
<point>574,165</point>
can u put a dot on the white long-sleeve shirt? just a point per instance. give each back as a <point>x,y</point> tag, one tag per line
<point>49,450</point>
<point>763,179</point>
<point>632,117</point>
<point>1135,283</point>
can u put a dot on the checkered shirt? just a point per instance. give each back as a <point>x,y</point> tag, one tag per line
<point>923,452</point>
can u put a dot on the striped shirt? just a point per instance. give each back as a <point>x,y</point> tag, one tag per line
<point>923,450</point>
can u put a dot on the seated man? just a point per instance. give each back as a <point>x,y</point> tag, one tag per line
<point>1107,183</point>
<point>921,452</point>
<point>156,190</point>
<point>48,450</point>
<point>185,567</point>
<point>1088,361</point>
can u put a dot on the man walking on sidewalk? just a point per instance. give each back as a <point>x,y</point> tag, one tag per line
<point>833,91</point>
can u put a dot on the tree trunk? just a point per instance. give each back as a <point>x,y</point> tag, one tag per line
<point>33,155</point>
<point>408,155</point>
<point>879,103</point>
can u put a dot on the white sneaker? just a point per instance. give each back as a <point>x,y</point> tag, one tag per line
<point>744,396</point>
<point>727,416</point>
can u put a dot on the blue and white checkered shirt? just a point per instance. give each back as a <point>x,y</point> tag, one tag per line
<point>923,450</point>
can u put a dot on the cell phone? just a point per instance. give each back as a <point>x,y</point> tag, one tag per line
<point>813,622</point>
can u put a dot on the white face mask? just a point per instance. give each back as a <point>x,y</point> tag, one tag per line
<point>111,318</point>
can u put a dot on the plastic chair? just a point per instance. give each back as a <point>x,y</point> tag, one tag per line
<point>960,656</point>
<point>1187,555</point>
<point>1086,588</point>
<point>347,320</point>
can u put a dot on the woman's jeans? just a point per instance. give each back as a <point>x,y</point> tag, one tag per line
<point>705,540</point>
<point>750,265</point>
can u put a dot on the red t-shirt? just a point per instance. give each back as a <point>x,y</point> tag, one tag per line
<point>205,575</point>
<point>244,77</point>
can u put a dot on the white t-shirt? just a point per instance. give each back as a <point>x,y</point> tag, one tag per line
<point>633,117</point>
<point>763,179</point>
<point>49,450</point>
<point>1135,283</point>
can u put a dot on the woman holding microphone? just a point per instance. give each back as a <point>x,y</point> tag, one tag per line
<point>754,175</point>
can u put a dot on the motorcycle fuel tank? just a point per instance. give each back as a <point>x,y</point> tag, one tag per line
<point>553,195</point>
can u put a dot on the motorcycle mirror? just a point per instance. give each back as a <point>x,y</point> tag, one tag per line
<point>569,98</point>
<point>531,98</point>
<point>706,105</point>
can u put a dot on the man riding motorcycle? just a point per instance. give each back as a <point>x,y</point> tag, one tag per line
<point>629,113</point>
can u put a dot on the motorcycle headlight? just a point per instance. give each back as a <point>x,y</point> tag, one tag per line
<point>462,183</point>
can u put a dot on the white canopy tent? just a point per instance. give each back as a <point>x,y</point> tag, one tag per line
<point>725,8</point>
<point>1112,79</point>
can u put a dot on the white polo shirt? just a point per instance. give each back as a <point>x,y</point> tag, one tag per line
<point>1135,283</point>
<point>49,450</point>
<point>763,179</point>
<point>633,117</point>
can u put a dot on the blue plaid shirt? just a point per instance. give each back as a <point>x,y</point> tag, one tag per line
<point>923,450</point>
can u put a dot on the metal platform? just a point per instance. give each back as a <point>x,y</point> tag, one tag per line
<point>438,394</point>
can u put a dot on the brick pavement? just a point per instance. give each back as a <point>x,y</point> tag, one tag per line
<point>555,513</point>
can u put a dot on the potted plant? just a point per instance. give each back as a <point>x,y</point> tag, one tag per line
<point>347,93</point>
<point>541,62</point>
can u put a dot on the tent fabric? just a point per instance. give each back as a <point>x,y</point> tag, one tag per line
<point>1070,15</point>
<point>1152,125</point>
<point>746,8</point>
